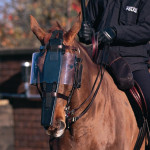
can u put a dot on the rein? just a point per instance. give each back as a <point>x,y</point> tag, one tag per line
<point>70,118</point>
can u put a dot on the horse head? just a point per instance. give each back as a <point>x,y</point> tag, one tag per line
<point>69,58</point>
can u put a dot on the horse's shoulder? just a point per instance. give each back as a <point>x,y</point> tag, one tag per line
<point>116,96</point>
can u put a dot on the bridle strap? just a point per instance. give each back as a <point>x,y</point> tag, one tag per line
<point>74,119</point>
<point>55,94</point>
<point>93,98</point>
<point>74,110</point>
<point>59,95</point>
<point>75,82</point>
<point>70,96</point>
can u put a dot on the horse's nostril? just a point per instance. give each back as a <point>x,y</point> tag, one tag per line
<point>57,130</point>
<point>62,125</point>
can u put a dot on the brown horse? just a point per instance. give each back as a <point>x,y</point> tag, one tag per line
<point>109,124</point>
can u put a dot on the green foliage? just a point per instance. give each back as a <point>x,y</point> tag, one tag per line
<point>14,19</point>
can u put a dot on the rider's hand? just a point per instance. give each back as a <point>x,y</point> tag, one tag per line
<point>85,33</point>
<point>107,35</point>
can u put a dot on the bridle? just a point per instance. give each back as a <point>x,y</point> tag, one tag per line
<point>70,113</point>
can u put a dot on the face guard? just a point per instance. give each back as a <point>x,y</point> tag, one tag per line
<point>57,68</point>
<point>50,68</point>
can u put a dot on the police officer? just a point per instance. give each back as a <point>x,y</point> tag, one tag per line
<point>125,25</point>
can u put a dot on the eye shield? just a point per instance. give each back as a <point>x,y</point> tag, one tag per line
<point>57,67</point>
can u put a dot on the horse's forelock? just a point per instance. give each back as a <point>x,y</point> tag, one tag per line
<point>56,26</point>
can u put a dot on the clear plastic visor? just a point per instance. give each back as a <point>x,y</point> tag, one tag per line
<point>52,67</point>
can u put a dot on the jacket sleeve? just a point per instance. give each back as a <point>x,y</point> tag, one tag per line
<point>93,10</point>
<point>138,33</point>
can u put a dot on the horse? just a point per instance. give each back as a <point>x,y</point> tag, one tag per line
<point>109,123</point>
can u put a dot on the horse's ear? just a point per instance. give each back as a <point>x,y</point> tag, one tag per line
<point>71,34</point>
<point>36,29</point>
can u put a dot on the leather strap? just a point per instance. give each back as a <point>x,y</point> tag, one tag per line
<point>138,95</point>
<point>55,94</point>
<point>143,101</point>
<point>141,135</point>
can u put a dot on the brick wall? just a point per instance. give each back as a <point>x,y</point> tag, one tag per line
<point>10,71</point>
<point>6,126</point>
<point>28,132</point>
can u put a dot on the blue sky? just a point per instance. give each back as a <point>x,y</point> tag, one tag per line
<point>2,2</point>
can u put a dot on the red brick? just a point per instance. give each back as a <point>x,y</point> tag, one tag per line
<point>28,132</point>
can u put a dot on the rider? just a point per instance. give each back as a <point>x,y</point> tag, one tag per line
<point>125,26</point>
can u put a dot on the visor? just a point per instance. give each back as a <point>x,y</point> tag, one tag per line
<point>50,67</point>
<point>67,69</point>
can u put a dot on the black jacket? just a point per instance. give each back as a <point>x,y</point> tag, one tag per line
<point>131,18</point>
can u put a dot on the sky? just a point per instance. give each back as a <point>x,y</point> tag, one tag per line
<point>2,2</point>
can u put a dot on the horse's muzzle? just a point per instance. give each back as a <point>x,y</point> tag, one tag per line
<point>57,130</point>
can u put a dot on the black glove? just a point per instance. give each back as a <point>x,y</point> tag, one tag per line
<point>85,33</point>
<point>107,35</point>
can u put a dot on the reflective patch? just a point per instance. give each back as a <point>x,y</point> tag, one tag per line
<point>132,9</point>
